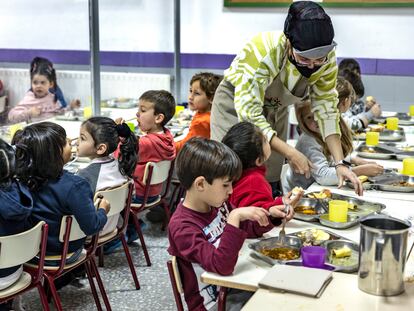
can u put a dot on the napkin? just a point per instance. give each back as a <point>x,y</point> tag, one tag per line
<point>299,280</point>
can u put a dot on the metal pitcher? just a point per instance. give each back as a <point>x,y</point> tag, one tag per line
<point>382,255</point>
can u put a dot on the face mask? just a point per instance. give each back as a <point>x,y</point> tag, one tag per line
<point>304,71</point>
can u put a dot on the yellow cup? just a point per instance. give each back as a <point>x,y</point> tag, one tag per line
<point>372,138</point>
<point>338,210</point>
<point>392,124</point>
<point>131,126</point>
<point>411,111</point>
<point>87,112</point>
<point>408,166</point>
<point>14,128</point>
<point>178,108</point>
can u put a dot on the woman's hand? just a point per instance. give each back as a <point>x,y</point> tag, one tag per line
<point>343,173</point>
<point>369,169</point>
<point>300,163</point>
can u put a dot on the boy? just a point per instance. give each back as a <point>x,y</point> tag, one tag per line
<point>204,232</point>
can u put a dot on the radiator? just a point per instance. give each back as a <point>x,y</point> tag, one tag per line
<point>77,85</point>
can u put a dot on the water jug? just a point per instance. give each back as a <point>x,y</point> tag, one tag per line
<point>382,255</point>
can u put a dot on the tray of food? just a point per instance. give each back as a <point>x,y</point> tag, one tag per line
<point>120,102</point>
<point>341,252</point>
<point>403,119</point>
<point>374,152</point>
<point>309,209</point>
<point>393,182</point>
<point>384,134</point>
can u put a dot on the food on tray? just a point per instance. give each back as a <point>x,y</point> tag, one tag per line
<point>313,237</point>
<point>403,184</point>
<point>363,178</point>
<point>323,194</point>
<point>281,253</point>
<point>352,205</point>
<point>342,252</point>
<point>407,148</point>
<point>368,150</point>
<point>376,128</point>
<point>307,210</point>
<point>297,190</point>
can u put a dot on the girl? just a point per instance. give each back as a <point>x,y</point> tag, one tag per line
<point>311,144</point>
<point>252,189</point>
<point>202,88</point>
<point>15,208</point>
<point>99,138</point>
<point>38,101</point>
<point>56,192</point>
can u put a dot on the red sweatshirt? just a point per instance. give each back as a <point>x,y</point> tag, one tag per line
<point>204,242</point>
<point>252,189</point>
<point>153,147</point>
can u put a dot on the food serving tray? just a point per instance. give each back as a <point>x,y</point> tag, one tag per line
<point>391,181</point>
<point>385,135</point>
<point>403,119</point>
<point>298,239</point>
<point>374,152</point>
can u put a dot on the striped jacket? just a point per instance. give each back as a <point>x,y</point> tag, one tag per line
<point>259,62</point>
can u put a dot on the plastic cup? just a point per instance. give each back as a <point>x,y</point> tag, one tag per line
<point>178,109</point>
<point>411,111</point>
<point>372,139</point>
<point>338,210</point>
<point>14,128</point>
<point>392,123</point>
<point>313,256</point>
<point>87,112</point>
<point>408,166</point>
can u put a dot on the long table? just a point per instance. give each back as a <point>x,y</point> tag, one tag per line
<point>249,271</point>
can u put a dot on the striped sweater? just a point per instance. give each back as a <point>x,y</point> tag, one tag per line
<point>255,67</point>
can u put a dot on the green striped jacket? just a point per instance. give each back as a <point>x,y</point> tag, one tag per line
<point>255,67</point>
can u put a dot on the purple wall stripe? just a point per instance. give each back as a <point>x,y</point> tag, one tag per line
<point>394,67</point>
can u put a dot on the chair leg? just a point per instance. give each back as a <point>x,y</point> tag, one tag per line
<point>167,216</point>
<point>89,274</point>
<point>100,257</point>
<point>130,262</point>
<point>177,296</point>
<point>141,238</point>
<point>43,297</point>
<point>100,285</point>
<point>53,291</point>
<point>222,299</point>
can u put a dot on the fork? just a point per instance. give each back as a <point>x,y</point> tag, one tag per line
<point>282,233</point>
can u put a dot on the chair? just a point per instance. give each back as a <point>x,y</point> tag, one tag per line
<point>70,231</point>
<point>155,173</point>
<point>19,248</point>
<point>120,200</point>
<point>177,287</point>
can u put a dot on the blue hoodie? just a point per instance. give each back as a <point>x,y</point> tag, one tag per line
<point>15,207</point>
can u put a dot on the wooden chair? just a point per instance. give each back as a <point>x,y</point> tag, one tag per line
<point>120,200</point>
<point>177,287</point>
<point>19,248</point>
<point>155,173</point>
<point>70,231</point>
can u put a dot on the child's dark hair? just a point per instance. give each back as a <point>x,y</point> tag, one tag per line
<point>246,140</point>
<point>208,158</point>
<point>44,142</point>
<point>163,102</point>
<point>105,131</point>
<point>355,81</point>
<point>350,64</point>
<point>43,66</point>
<point>7,163</point>
<point>208,82</point>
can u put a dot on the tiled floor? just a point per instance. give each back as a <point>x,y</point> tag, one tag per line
<point>155,292</point>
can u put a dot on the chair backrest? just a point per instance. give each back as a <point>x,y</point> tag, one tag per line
<point>19,248</point>
<point>159,172</point>
<point>75,232</point>
<point>283,178</point>
<point>176,284</point>
<point>117,197</point>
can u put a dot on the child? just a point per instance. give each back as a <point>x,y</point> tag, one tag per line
<point>202,88</point>
<point>204,232</point>
<point>252,189</point>
<point>38,101</point>
<point>98,139</point>
<point>55,191</point>
<point>15,208</point>
<point>310,143</point>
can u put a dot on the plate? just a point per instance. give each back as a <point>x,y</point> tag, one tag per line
<point>341,264</point>
<point>352,220</point>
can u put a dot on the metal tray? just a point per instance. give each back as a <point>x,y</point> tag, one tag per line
<point>385,135</point>
<point>313,203</point>
<point>302,236</point>
<point>290,241</point>
<point>387,182</point>
<point>335,244</point>
<point>374,152</point>
<point>363,207</point>
<point>403,119</point>
<point>352,220</point>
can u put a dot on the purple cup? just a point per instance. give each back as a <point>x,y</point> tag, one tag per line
<point>313,256</point>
